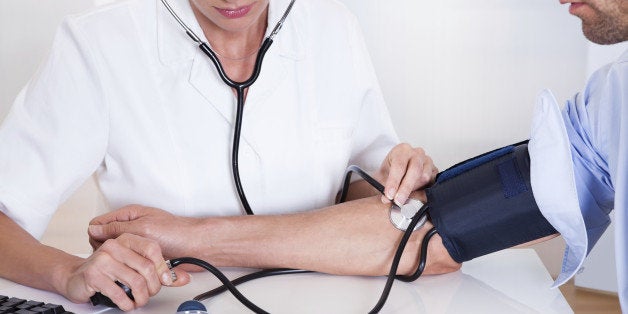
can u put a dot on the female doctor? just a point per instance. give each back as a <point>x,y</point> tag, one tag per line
<point>127,94</point>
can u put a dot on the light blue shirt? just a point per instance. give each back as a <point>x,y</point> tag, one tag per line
<point>596,121</point>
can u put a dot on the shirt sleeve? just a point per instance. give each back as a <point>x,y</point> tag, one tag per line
<point>594,120</point>
<point>612,132</point>
<point>595,193</point>
<point>55,135</point>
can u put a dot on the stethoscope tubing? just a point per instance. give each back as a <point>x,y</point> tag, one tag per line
<point>239,87</point>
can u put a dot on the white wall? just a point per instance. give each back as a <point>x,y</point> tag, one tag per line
<point>27,28</point>
<point>460,77</point>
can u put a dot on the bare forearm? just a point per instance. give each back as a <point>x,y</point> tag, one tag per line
<point>352,238</point>
<point>26,261</point>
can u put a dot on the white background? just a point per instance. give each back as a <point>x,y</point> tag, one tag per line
<point>460,77</point>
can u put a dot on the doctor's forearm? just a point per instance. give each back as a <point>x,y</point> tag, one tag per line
<point>26,261</point>
<point>354,238</point>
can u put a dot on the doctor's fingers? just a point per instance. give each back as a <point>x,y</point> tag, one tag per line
<point>142,255</point>
<point>101,271</point>
<point>151,250</point>
<point>94,243</point>
<point>409,169</point>
<point>98,275</point>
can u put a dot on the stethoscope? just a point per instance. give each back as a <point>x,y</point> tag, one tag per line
<point>401,217</point>
<point>239,88</point>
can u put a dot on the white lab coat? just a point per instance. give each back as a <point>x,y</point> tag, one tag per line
<point>125,93</point>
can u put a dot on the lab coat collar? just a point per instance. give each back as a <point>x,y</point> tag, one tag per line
<point>553,182</point>
<point>293,48</point>
<point>175,46</point>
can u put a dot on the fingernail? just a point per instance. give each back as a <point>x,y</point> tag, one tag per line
<point>166,278</point>
<point>391,194</point>
<point>385,200</point>
<point>95,230</point>
<point>400,200</point>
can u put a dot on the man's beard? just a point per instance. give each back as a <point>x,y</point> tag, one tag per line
<point>607,28</point>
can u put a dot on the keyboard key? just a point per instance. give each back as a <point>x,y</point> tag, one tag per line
<point>15,300</point>
<point>57,309</point>
<point>42,310</point>
<point>6,309</point>
<point>29,304</point>
<point>21,306</point>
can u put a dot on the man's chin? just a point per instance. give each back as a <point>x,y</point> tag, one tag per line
<point>607,36</point>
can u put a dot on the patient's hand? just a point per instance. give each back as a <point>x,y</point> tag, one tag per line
<point>174,234</point>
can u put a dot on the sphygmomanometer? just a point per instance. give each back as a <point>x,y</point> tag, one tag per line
<point>486,204</point>
<point>479,206</point>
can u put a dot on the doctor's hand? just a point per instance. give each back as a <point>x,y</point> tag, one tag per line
<point>404,170</point>
<point>130,259</point>
<point>174,234</point>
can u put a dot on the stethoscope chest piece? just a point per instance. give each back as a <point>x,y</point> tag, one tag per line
<point>402,216</point>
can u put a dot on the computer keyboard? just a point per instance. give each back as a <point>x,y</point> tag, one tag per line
<point>21,306</point>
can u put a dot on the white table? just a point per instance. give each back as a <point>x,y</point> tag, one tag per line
<point>510,281</point>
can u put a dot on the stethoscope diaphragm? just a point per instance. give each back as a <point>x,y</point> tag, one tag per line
<point>402,216</point>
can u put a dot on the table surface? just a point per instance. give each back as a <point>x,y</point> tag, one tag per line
<point>510,281</point>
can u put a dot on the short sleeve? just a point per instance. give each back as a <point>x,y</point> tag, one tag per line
<point>55,135</point>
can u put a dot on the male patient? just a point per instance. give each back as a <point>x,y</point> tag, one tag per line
<point>591,136</point>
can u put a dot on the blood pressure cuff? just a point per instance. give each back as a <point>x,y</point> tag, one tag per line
<point>485,204</point>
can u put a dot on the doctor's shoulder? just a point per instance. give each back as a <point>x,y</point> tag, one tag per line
<point>115,18</point>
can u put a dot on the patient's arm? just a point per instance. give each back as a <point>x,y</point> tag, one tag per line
<point>354,238</point>
<point>537,241</point>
